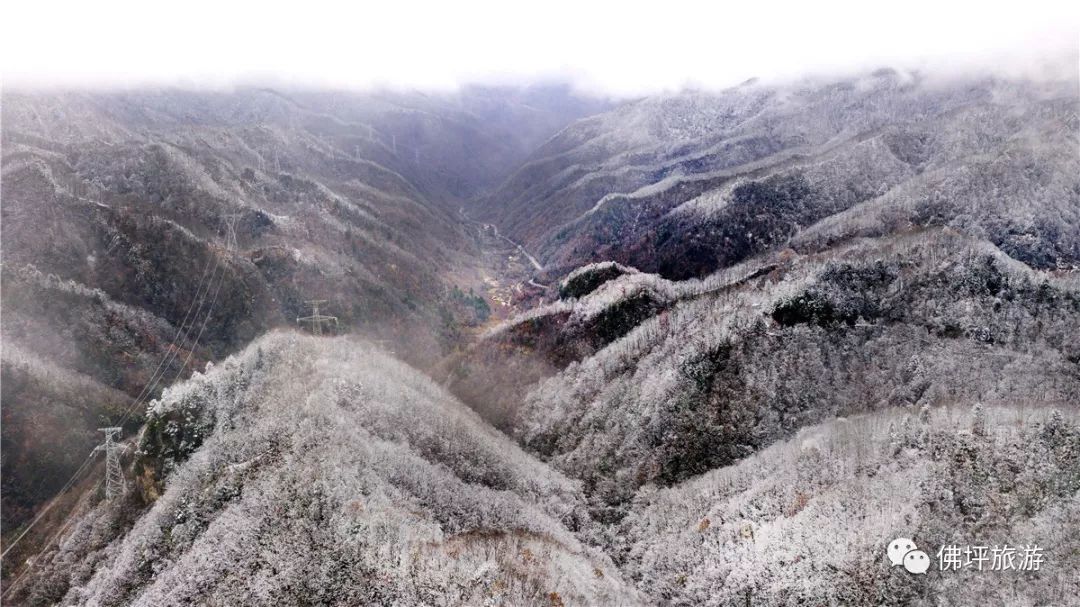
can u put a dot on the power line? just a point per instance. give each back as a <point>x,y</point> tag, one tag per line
<point>15,583</point>
<point>49,506</point>
<point>146,391</point>
<point>171,355</point>
<point>159,371</point>
<point>114,474</point>
<point>230,245</point>
<point>206,320</point>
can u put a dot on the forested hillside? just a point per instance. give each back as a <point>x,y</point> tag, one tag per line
<point>806,521</point>
<point>698,348</point>
<point>120,266</point>
<point>322,470</point>
<point>667,380</point>
<point>304,471</point>
<point>686,183</point>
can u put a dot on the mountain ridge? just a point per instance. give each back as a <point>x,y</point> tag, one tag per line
<point>663,153</point>
<point>641,354</point>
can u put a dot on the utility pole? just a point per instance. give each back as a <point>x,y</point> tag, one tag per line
<point>316,319</point>
<point>114,475</point>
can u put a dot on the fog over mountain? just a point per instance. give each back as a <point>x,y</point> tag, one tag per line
<point>684,184</point>
<point>116,237</point>
<point>603,47</point>
<point>573,342</point>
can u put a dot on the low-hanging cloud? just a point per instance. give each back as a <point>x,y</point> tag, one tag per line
<point>617,48</point>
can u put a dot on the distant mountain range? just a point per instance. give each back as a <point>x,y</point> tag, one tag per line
<point>756,334</point>
<point>687,183</point>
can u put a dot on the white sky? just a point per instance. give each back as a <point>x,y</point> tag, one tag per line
<point>614,47</point>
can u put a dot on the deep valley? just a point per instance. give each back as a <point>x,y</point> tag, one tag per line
<point>694,348</point>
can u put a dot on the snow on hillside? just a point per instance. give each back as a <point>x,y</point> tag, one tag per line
<point>306,470</point>
<point>928,318</point>
<point>807,521</point>
<point>684,184</point>
<point>136,194</point>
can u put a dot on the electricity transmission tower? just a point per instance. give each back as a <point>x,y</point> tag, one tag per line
<point>114,475</point>
<point>316,319</point>
<point>230,230</point>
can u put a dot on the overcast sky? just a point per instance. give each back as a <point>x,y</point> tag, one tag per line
<point>614,47</point>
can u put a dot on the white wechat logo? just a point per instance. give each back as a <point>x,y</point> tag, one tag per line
<point>903,551</point>
<point>916,561</point>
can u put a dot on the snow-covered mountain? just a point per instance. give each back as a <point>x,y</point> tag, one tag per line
<point>644,380</point>
<point>743,340</point>
<point>115,237</point>
<point>686,183</point>
<point>306,470</point>
<point>807,522</point>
